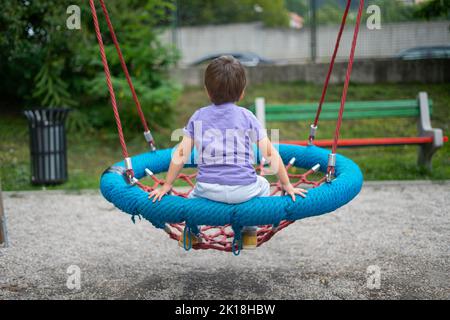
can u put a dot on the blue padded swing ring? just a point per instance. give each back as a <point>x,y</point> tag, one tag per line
<point>258,211</point>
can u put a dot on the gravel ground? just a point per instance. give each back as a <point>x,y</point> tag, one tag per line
<point>401,228</point>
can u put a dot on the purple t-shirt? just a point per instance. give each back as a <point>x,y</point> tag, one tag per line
<point>223,136</point>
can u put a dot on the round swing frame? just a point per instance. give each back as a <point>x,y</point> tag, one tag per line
<point>211,221</point>
<point>218,224</point>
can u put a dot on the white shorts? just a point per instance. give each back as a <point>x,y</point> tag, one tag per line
<point>231,194</point>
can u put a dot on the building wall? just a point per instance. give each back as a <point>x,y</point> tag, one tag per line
<point>292,45</point>
<point>364,71</point>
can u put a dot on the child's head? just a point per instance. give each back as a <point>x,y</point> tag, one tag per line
<point>225,80</point>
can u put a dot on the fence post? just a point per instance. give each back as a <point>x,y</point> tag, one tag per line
<point>3,235</point>
<point>175,24</point>
<point>313,30</point>
<point>260,110</point>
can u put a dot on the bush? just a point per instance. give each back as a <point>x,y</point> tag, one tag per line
<point>45,64</point>
<point>200,12</point>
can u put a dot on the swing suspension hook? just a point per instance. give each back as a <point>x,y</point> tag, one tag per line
<point>149,138</point>
<point>312,134</point>
<point>130,172</point>
<point>331,167</point>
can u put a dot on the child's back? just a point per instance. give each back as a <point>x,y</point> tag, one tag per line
<point>223,135</point>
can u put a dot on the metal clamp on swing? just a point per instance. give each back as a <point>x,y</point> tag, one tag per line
<point>331,166</point>
<point>148,172</point>
<point>312,134</point>
<point>290,163</point>
<point>129,171</point>
<point>315,168</point>
<point>149,138</point>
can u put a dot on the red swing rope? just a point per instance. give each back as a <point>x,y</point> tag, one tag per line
<point>108,80</point>
<point>125,70</point>
<point>330,70</point>
<point>347,76</point>
<point>332,156</point>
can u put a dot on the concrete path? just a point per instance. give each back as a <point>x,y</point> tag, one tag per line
<point>401,229</point>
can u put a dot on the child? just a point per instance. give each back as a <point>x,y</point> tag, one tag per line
<point>223,134</point>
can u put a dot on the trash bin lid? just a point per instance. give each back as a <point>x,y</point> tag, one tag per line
<point>47,116</point>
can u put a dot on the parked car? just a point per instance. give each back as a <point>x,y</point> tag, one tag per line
<point>419,53</point>
<point>246,58</point>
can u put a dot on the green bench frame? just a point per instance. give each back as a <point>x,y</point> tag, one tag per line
<point>429,139</point>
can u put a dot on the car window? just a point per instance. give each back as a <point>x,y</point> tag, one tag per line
<point>440,52</point>
<point>415,54</point>
<point>437,53</point>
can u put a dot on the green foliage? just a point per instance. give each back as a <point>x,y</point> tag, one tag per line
<point>300,7</point>
<point>394,11</point>
<point>50,89</point>
<point>434,9</point>
<point>48,65</point>
<point>330,11</point>
<point>274,13</point>
<point>202,12</point>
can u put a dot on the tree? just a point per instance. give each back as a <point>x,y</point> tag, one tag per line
<point>300,7</point>
<point>394,11</point>
<point>43,63</point>
<point>203,12</point>
<point>274,13</point>
<point>434,9</point>
<point>330,11</point>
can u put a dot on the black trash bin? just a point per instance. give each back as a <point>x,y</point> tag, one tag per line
<point>48,145</point>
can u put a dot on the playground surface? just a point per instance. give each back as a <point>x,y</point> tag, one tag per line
<point>401,229</point>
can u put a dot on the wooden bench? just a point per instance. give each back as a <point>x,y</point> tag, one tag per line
<point>428,139</point>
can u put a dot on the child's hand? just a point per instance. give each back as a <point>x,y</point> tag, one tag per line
<point>290,190</point>
<point>157,194</point>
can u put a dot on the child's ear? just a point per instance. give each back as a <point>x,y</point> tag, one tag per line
<point>242,95</point>
<point>207,93</point>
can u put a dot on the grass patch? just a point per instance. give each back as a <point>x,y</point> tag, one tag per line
<point>89,155</point>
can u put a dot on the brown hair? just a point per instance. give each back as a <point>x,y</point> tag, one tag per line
<point>225,80</point>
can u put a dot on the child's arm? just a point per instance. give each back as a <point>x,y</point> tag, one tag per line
<point>180,157</point>
<point>276,164</point>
